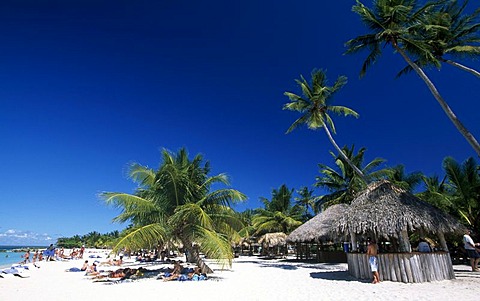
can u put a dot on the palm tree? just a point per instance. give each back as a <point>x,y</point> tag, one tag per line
<point>278,214</point>
<point>465,181</point>
<point>247,231</point>
<point>342,182</point>
<point>315,106</point>
<point>390,22</point>
<point>447,31</point>
<point>305,200</point>
<point>437,193</point>
<point>397,176</point>
<point>175,203</point>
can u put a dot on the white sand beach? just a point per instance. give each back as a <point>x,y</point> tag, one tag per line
<point>250,278</point>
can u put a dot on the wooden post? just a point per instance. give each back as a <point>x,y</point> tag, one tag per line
<point>405,245</point>
<point>353,240</point>
<point>443,242</point>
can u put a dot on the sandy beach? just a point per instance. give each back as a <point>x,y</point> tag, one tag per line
<point>250,278</point>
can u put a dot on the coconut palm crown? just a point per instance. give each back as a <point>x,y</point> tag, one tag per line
<point>448,33</point>
<point>390,23</point>
<point>315,105</point>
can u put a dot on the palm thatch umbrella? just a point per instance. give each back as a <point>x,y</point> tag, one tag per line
<point>320,227</point>
<point>384,209</point>
<point>273,239</point>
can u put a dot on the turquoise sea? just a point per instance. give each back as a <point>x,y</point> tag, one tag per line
<point>9,257</point>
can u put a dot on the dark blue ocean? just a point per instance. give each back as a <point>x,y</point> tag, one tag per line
<point>8,257</point>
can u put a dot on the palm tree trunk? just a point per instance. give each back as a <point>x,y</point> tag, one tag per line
<point>462,67</point>
<point>195,256</point>
<point>342,154</point>
<point>460,127</point>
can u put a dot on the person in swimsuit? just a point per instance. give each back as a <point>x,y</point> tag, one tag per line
<point>372,252</point>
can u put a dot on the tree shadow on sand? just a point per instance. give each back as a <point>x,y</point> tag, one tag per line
<point>279,265</point>
<point>335,275</point>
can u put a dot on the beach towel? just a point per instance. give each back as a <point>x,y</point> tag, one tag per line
<point>47,253</point>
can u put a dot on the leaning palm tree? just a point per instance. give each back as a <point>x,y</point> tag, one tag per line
<point>342,183</point>
<point>315,105</point>
<point>176,204</point>
<point>390,22</point>
<point>447,31</point>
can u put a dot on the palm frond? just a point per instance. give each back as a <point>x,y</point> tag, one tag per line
<point>141,174</point>
<point>144,237</point>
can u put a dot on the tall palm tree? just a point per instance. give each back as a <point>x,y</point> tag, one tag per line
<point>464,179</point>
<point>278,214</point>
<point>176,203</point>
<point>315,105</point>
<point>342,182</point>
<point>450,31</point>
<point>390,22</point>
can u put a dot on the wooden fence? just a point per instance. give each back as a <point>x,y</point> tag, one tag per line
<point>404,267</point>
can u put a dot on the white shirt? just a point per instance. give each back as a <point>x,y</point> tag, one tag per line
<point>468,242</point>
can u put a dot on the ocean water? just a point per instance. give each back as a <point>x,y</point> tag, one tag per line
<point>8,257</point>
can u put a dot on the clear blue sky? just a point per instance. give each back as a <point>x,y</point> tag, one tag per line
<point>87,87</point>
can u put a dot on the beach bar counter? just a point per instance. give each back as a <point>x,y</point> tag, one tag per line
<point>389,213</point>
<point>412,267</point>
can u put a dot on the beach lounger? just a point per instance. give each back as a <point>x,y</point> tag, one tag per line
<point>19,272</point>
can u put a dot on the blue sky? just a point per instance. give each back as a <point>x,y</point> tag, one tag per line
<point>87,87</point>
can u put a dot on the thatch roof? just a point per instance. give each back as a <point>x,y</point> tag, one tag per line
<point>320,227</point>
<point>273,239</point>
<point>385,210</point>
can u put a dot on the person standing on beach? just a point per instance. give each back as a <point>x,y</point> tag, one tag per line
<point>372,252</point>
<point>82,250</point>
<point>472,250</point>
<point>26,257</point>
<point>50,252</point>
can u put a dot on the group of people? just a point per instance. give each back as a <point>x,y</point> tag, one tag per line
<point>178,272</point>
<point>75,253</point>
<point>52,253</point>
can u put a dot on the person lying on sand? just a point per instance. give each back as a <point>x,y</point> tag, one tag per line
<point>119,273</point>
<point>174,273</point>
<point>84,268</point>
<point>193,274</point>
<point>113,261</point>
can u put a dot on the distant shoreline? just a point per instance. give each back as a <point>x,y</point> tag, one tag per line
<point>20,248</point>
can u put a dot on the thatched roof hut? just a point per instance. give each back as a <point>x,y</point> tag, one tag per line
<point>386,210</point>
<point>273,239</point>
<point>320,227</point>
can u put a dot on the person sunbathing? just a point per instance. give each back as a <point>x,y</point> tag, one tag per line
<point>113,262</point>
<point>84,268</point>
<point>175,272</point>
<point>113,274</point>
<point>92,270</point>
